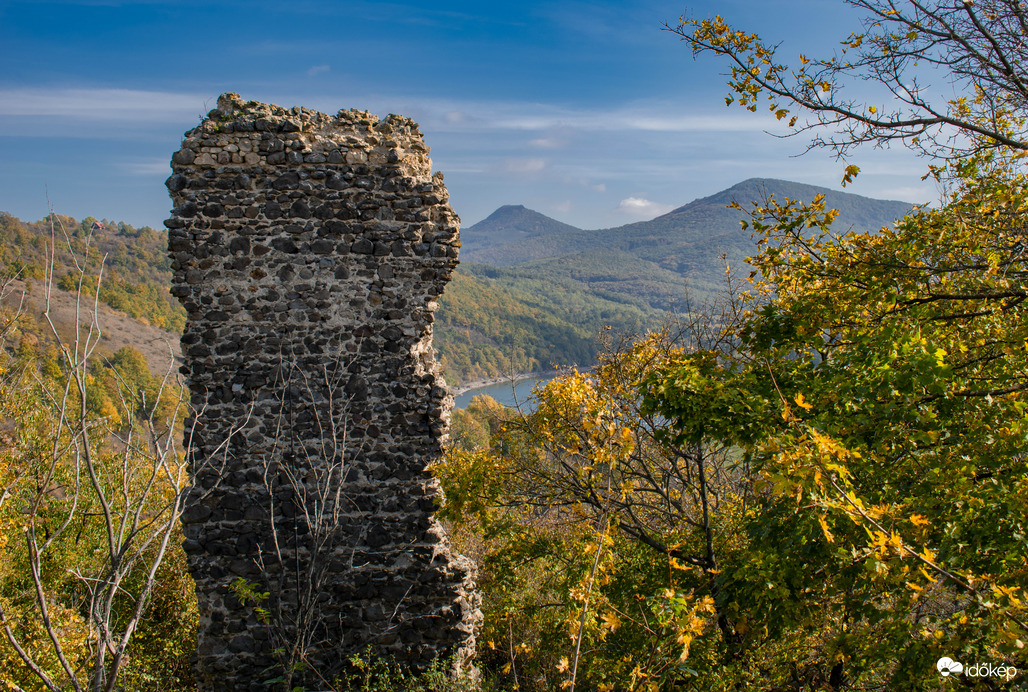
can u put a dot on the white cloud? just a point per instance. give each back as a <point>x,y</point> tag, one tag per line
<point>639,207</point>
<point>629,118</point>
<point>554,124</point>
<point>545,143</point>
<point>317,69</point>
<point>564,207</point>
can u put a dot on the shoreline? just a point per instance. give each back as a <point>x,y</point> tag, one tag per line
<point>488,381</point>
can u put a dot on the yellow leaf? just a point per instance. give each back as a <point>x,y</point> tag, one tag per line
<point>675,564</point>
<point>685,639</point>
<point>801,403</point>
<point>611,621</point>
<point>824,528</point>
<point>919,520</point>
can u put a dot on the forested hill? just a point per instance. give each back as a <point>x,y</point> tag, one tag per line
<point>133,262</point>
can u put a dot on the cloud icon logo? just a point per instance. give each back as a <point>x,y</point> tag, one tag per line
<point>947,666</point>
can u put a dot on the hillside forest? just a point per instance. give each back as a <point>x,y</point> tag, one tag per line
<point>806,470</point>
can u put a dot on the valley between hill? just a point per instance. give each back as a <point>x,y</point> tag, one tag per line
<point>531,293</point>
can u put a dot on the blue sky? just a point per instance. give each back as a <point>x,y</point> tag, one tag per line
<point>584,111</point>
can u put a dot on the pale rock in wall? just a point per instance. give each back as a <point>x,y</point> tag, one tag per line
<point>309,251</point>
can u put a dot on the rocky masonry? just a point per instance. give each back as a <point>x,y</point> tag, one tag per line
<point>309,251</point>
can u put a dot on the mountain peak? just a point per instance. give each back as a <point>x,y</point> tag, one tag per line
<point>512,224</point>
<point>521,217</point>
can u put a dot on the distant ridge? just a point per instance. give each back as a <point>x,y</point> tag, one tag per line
<point>515,235</point>
<point>859,212</point>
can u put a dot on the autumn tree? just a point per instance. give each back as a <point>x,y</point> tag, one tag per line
<point>879,392</point>
<point>599,536</point>
<point>879,397</point>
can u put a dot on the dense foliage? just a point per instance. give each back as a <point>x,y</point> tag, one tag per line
<point>878,395</point>
<point>491,323</point>
<point>824,487</point>
<point>597,537</point>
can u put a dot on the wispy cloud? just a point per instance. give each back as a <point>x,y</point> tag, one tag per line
<point>149,167</point>
<point>120,105</point>
<point>318,69</point>
<point>652,118</point>
<point>523,166</point>
<point>115,105</point>
<point>545,143</point>
<point>554,123</point>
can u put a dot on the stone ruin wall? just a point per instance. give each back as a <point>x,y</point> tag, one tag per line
<point>309,251</point>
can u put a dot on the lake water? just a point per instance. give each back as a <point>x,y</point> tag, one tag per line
<point>504,393</point>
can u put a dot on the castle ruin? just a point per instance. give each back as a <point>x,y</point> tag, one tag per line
<point>309,251</point>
